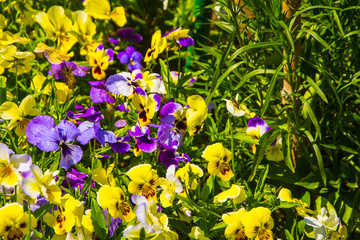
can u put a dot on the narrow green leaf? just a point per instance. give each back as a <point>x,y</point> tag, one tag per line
<point>288,35</point>
<point>319,39</point>
<point>318,156</point>
<point>245,138</point>
<point>254,47</point>
<point>316,88</point>
<point>338,22</point>
<point>41,211</point>
<point>265,141</point>
<point>288,235</point>
<point>261,182</point>
<point>254,73</point>
<point>311,115</point>
<point>271,89</point>
<point>98,220</point>
<point>340,147</point>
<point>2,89</point>
<point>286,144</point>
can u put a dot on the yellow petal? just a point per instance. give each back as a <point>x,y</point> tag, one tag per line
<point>233,192</point>
<point>140,171</point>
<point>9,110</point>
<point>118,16</point>
<point>285,195</point>
<point>99,9</point>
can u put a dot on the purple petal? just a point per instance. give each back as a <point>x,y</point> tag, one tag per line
<point>67,131</point>
<point>114,41</point>
<point>136,56</point>
<point>87,132</point>
<point>256,121</point>
<point>100,47</point>
<point>135,38</point>
<point>104,136</point>
<point>129,50</point>
<point>48,140</point>
<point>170,108</point>
<point>136,132</point>
<point>81,71</point>
<point>110,53</point>
<point>41,123</point>
<point>123,57</point>
<point>120,123</point>
<point>70,155</point>
<point>147,144</point>
<point>185,42</point>
<point>120,147</point>
<point>124,32</point>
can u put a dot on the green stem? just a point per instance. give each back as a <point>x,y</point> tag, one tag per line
<point>232,150</point>
<point>29,212</point>
<point>4,195</point>
<point>198,207</point>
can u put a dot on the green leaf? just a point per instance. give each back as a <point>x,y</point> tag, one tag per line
<point>253,47</point>
<point>245,138</point>
<point>288,235</point>
<point>319,39</point>
<point>311,181</point>
<point>286,145</point>
<point>318,156</point>
<point>260,184</point>
<point>41,211</point>
<point>271,89</point>
<point>316,88</point>
<point>254,73</point>
<point>265,141</point>
<point>311,115</point>
<point>98,220</point>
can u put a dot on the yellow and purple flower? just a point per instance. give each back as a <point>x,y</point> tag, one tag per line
<point>67,71</point>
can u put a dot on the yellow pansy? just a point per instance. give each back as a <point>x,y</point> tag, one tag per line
<point>258,223</point>
<point>158,45</point>
<point>63,92</point>
<point>54,56</point>
<point>303,210</point>
<point>14,223</point>
<point>18,114</point>
<point>235,192</point>
<point>104,177</point>
<point>113,199</point>
<point>189,175</point>
<point>62,222</point>
<point>84,30</point>
<point>196,113</point>
<point>219,158</point>
<point>41,184</point>
<point>57,26</point>
<point>7,38</point>
<point>146,106</point>
<point>170,185</point>
<point>144,181</point>
<point>99,61</point>
<point>87,228</point>
<point>16,62</point>
<point>100,9</point>
<point>10,167</point>
<point>235,229</point>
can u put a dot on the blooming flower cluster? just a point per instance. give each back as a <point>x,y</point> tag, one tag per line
<point>97,144</point>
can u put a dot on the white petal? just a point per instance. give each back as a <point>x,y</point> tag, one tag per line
<point>170,170</point>
<point>320,233</point>
<point>313,222</point>
<point>21,162</point>
<point>332,222</point>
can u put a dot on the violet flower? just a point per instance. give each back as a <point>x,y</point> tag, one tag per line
<point>114,222</point>
<point>92,113</point>
<point>89,130</point>
<point>67,71</point>
<point>120,146</point>
<point>76,180</point>
<point>99,93</point>
<point>169,156</point>
<point>131,57</point>
<point>42,132</point>
<point>129,35</point>
<point>143,140</point>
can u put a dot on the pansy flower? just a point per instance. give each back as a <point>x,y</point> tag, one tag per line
<point>170,185</point>
<point>235,228</point>
<point>41,184</point>
<point>180,36</point>
<point>196,113</point>
<point>92,113</point>
<point>145,105</point>
<point>67,71</point>
<point>16,62</point>
<point>154,84</point>
<point>14,222</point>
<point>235,192</point>
<point>131,57</point>
<point>189,175</point>
<point>322,222</point>
<point>90,130</point>
<point>10,167</point>
<point>219,158</point>
<point>99,93</point>
<point>99,61</point>
<point>57,26</point>
<point>129,35</point>
<point>113,199</point>
<point>125,83</point>
<point>236,109</point>
<point>144,142</point>
<point>144,181</point>
<point>158,45</point>
<point>100,9</point>
<point>54,56</point>
<point>109,51</point>
<point>257,127</point>
<point>170,156</point>
<point>258,223</point>
<point>19,114</point>
<point>120,146</point>
<point>76,180</point>
<point>47,136</point>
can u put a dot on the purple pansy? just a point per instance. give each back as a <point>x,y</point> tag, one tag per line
<point>125,83</point>
<point>129,35</point>
<point>169,156</point>
<point>182,41</point>
<point>143,140</point>
<point>131,57</point>
<point>257,127</point>
<point>76,180</point>
<point>92,113</point>
<point>120,146</point>
<point>99,93</point>
<point>114,41</point>
<point>42,132</point>
<point>90,130</point>
<point>114,222</point>
<point>67,71</point>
